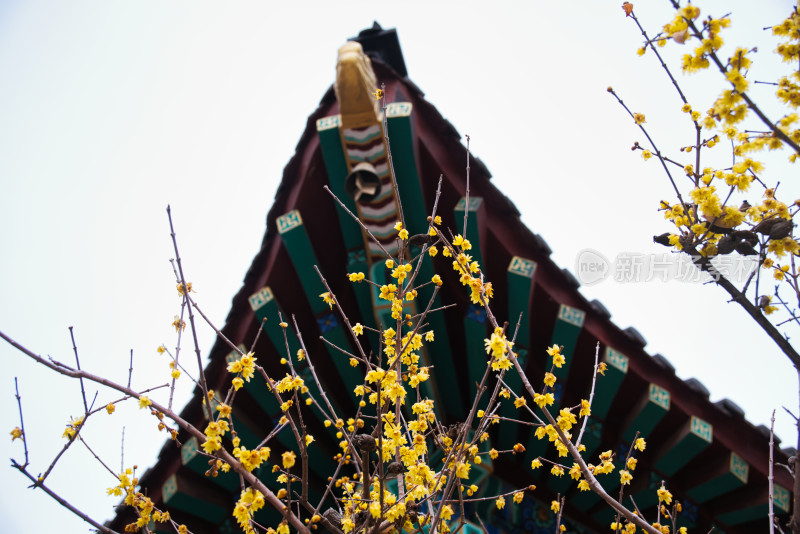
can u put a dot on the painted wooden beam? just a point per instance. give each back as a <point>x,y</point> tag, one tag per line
<point>295,239</point>
<point>256,387</point>
<point>565,333</point>
<point>646,414</point>
<point>194,499</point>
<point>751,513</point>
<point>438,352</point>
<point>475,331</point>
<point>383,319</point>
<point>729,474</point>
<point>647,497</point>
<point>249,433</point>
<point>476,215</point>
<point>475,324</point>
<point>519,276</point>
<point>695,436</point>
<point>591,440</point>
<point>337,167</point>
<point>357,263</point>
<point>195,460</point>
<point>401,136</point>
<point>266,306</point>
<point>268,312</point>
<point>607,386</point>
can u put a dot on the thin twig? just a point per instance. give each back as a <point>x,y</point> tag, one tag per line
<point>21,422</point>
<point>60,500</point>
<point>201,372</point>
<point>78,364</point>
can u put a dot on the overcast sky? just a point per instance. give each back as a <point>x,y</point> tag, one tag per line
<point>110,111</point>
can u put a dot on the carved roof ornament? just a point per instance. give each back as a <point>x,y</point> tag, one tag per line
<point>355,85</point>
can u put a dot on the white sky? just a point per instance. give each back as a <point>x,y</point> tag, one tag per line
<point>111,110</point>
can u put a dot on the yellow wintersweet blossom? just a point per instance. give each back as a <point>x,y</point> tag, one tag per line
<point>250,501</point>
<point>144,402</point>
<point>251,459</point>
<point>558,358</point>
<point>625,477</point>
<point>640,444</point>
<point>535,464</point>
<point>543,400</point>
<point>356,277</point>
<point>328,299</point>
<point>358,329</point>
<point>110,408</point>
<point>178,324</point>
<point>664,495</point>
<point>500,503</point>
<point>575,471</point>
<point>16,433</point>
<point>447,512</point>
<point>245,365</point>
<point>555,506</point>
<point>288,458</point>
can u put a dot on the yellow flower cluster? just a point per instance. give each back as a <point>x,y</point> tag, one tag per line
<point>245,365</point>
<point>250,501</point>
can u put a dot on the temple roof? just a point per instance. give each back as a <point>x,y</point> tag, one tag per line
<point>716,461</point>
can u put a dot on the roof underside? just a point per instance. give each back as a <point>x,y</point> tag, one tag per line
<point>697,470</point>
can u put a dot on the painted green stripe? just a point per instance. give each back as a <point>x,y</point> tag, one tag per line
<point>248,436</point>
<point>298,245</point>
<point>696,436</point>
<point>405,166</point>
<point>565,334</point>
<point>383,317</point>
<point>256,387</point>
<point>591,440</point>
<point>735,477</point>
<point>266,306</point>
<point>744,515</point>
<point>357,263</point>
<point>509,432</point>
<point>439,350</point>
<point>490,486</point>
<point>520,288</point>
<point>781,497</point>
<point>475,205</point>
<point>336,165</point>
<point>474,335</point>
<point>608,384</point>
<point>181,496</point>
<point>192,458</point>
<point>653,408</point>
